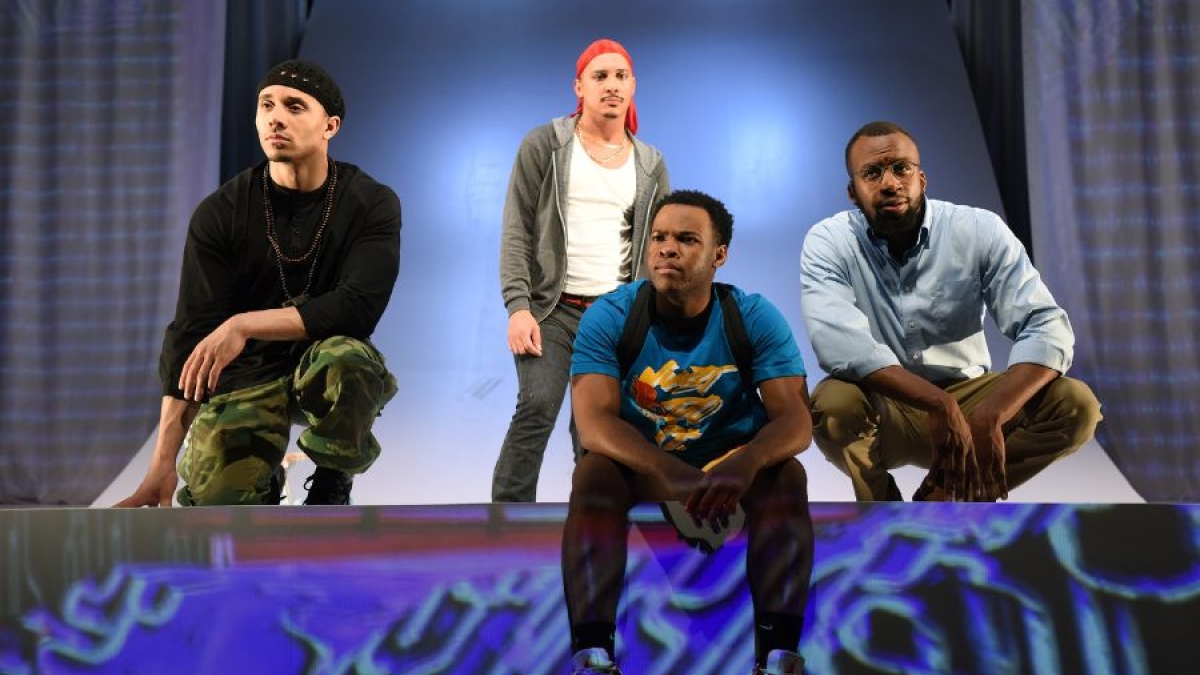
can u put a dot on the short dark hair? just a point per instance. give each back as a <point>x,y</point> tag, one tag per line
<point>722,219</point>
<point>874,130</point>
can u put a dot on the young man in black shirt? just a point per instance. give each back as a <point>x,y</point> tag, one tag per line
<point>287,269</point>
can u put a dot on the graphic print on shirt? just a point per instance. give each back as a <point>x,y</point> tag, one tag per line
<point>678,401</point>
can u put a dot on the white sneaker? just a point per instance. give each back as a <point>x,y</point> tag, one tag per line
<point>782,662</point>
<point>593,661</point>
<point>703,537</point>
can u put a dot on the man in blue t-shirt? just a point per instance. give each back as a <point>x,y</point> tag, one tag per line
<point>681,424</point>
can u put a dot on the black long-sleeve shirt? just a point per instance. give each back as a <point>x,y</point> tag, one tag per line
<point>229,267</point>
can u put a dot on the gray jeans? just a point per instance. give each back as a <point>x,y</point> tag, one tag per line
<point>542,386</point>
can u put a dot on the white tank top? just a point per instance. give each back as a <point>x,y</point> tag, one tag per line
<point>599,239</point>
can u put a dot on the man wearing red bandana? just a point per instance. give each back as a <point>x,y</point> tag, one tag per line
<point>575,222</point>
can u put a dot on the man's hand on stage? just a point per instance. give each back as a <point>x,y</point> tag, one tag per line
<point>157,488</point>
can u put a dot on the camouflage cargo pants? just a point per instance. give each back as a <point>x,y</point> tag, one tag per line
<point>238,439</point>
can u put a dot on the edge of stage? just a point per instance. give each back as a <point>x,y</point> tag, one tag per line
<point>904,587</point>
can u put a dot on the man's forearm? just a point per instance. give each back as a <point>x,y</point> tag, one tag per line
<point>788,431</point>
<point>1016,386</point>
<point>897,383</point>
<point>272,325</point>
<point>596,403</point>
<point>779,439</point>
<point>174,419</point>
<point>618,440</point>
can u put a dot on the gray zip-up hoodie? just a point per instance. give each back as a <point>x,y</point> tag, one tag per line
<point>533,245</point>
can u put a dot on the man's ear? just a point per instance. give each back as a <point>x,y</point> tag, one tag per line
<point>852,194</point>
<point>332,125</point>
<point>721,255</point>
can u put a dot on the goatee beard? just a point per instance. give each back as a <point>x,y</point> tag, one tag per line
<point>884,224</point>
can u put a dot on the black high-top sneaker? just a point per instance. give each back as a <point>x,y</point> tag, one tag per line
<point>328,487</point>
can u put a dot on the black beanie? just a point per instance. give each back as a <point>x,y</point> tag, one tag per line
<point>309,78</point>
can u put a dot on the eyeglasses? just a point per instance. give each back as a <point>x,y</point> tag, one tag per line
<point>901,169</point>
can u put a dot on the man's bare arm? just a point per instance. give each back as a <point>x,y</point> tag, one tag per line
<point>219,348</point>
<point>787,433</point>
<point>158,486</point>
<point>596,403</point>
<point>949,433</point>
<point>1014,389</point>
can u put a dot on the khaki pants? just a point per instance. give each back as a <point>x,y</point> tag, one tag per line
<point>864,434</point>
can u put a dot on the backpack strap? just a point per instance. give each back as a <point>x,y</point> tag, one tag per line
<point>637,325</point>
<point>736,335</point>
<point>641,315</point>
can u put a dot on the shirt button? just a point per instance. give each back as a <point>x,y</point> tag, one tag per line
<point>908,289</point>
<point>916,357</point>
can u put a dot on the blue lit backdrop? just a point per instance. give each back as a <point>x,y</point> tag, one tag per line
<point>752,102</point>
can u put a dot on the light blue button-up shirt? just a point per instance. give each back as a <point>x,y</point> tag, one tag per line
<point>865,310</point>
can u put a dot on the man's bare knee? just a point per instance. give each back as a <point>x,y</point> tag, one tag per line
<point>600,483</point>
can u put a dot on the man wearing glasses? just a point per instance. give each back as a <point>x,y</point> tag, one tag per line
<point>893,294</point>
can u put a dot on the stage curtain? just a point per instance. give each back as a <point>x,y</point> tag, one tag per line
<point>259,34</point>
<point>1111,93</point>
<point>989,36</point>
<point>111,136</point>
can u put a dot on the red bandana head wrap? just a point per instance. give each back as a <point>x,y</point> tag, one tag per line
<point>605,46</point>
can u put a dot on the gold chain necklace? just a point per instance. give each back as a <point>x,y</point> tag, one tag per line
<point>599,160</point>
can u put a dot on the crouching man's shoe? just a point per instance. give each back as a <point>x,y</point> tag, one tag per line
<point>328,487</point>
